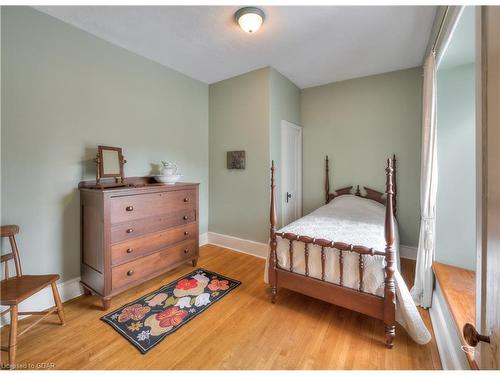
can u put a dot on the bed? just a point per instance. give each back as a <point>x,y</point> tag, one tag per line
<point>346,253</point>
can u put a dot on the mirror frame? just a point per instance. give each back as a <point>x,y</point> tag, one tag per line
<point>100,166</point>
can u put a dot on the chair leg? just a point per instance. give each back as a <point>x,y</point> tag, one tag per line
<point>13,337</point>
<point>59,305</point>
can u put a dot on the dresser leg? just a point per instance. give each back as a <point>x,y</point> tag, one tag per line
<point>87,292</point>
<point>195,262</point>
<point>106,303</point>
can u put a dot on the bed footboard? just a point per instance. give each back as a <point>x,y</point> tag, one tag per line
<point>383,308</point>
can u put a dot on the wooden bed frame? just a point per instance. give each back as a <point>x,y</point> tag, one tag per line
<point>383,308</point>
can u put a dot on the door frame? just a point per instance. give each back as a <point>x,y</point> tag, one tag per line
<point>298,167</point>
<point>487,178</point>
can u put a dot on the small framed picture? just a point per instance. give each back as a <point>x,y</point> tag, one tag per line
<point>236,160</point>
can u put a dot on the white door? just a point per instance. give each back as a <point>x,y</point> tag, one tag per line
<point>488,263</point>
<point>291,172</point>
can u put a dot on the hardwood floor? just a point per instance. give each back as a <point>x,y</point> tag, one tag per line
<point>242,331</point>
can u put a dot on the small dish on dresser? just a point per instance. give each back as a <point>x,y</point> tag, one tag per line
<point>168,179</point>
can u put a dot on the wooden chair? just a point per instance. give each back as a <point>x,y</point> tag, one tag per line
<point>16,289</point>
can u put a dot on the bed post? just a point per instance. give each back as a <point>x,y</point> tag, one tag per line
<point>327,182</point>
<point>395,189</point>
<point>390,287</point>
<point>273,277</point>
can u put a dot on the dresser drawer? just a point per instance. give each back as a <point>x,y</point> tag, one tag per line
<point>128,250</point>
<point>133,207</point>
<point>153,264</point>
<point>132,229</point>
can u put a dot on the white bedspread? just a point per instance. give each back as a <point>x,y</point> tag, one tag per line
<point>356,221</point>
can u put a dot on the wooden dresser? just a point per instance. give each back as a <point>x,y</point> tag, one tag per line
<point>132,234</point>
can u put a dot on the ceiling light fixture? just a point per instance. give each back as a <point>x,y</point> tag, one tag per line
<point>250,19</point>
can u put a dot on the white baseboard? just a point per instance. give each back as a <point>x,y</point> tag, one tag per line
<point>203,239</point>
<point>257,249</point>
<point>43,299</point>
<point>408,252</point>
<point>447,340</point>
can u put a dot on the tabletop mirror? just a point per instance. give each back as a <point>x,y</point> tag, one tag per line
<point>109,165</point>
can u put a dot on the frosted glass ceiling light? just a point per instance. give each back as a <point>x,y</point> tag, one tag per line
<point>250,19</point>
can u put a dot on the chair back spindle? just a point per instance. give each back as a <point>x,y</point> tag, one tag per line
<point>10,231</point>
<point>6,269</point>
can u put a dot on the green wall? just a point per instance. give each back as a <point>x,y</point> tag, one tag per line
<point>239,120</point>
<point>359,123</point>
<point>456,197</point>
<point>66,91</point>
<point>245,114</point>
<point>285,105</point>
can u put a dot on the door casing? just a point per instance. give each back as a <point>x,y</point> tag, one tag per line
<point>298,167</point>
<point>488,183</point>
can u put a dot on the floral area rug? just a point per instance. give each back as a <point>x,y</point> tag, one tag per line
<point>146,321</point>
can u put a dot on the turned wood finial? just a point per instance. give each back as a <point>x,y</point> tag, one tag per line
<point>389,218</point>
<point>394,199</point>
<point>358,192</point>
<point>272,214</point>
<point>327,181</point>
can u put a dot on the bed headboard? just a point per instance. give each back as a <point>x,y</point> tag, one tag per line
<point>370,193</point>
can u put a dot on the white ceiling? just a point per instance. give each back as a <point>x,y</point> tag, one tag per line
<point>311,45</point>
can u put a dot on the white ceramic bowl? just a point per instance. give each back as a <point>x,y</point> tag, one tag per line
<point>168,179</point>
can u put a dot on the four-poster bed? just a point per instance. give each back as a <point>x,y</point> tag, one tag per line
<point>329,276</point>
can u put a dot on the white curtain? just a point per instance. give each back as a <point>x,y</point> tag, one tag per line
<point>422,289</point>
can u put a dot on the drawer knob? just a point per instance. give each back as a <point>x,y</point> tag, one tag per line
<point>129,208</point>
<point>129,230</point>
<point>185,217</point>
<point>186,251</point>
<point>186,233</point>
<point>130,272</point>
<point>129,250</point>
<point>186,199</point>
